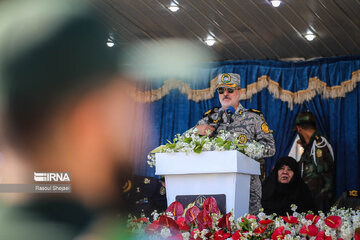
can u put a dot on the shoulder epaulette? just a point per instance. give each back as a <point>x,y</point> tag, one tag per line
<point>318,139</point>
<point>214,109</point>
<point>255,111</point>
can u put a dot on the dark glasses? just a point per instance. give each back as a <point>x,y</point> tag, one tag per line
<point>221,90</point>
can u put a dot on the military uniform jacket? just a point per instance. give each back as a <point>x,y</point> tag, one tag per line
<point>249,124</point>
<point>317,166</point>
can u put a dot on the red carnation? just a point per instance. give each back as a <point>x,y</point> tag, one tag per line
<point>236,235</point>
<point>176,209</point>
<point>311,230</point>
<point>322,236</point>
<point>260,230</point>
<point>333,221</point>
<point>191,215</point>
<point>204,220</point>
<point>290,219</point>
<point>250,216</point>
<point>211,206</point>
<point>220,235</point>
<point>279,233</point>
<point>313,218</point>
<point>182,224</point>
<point>265,222</point>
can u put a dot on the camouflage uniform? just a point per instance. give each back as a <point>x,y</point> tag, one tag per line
<point>317,165</point>
<point>249,125</point>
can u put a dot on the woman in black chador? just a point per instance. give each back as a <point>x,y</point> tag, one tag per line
<point>284,187</point>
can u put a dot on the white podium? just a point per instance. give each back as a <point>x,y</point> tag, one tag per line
<point>209,173</point>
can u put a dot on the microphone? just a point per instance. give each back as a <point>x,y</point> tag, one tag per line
<point>230,111</point>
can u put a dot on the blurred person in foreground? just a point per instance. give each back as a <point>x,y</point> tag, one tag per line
<point>317,161</point>
<point>63,105</point>
<point>285,187</point>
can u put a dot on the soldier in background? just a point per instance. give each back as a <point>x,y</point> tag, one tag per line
<point>144,195</point>
<point>249,124</point>
<point>317,161</point>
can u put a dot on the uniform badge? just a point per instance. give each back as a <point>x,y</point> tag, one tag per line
<point>127,186</point>
<point>207,112</point>
<point>318,153</point>
<point>146,180</point>
<point>265,128</point>
<point>199,201</point>
<point>162,190</point>
<point>353,193</point>
<point>225,78</point>
<point>242,139</point>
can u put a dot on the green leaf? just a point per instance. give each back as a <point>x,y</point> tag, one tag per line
<point>159,149</point>
<point>198,147</point>
<point>219,141</point>
<point>227,145</point>
<point>187,140</point>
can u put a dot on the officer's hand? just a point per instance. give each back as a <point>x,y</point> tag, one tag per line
<point>203,128</point>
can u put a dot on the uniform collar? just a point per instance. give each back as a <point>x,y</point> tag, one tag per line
<point>240,108</point>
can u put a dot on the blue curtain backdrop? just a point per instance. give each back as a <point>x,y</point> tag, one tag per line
<point>337,118</point>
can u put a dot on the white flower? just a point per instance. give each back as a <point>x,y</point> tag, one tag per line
<point>165,232</point>
<point>203,233</point>
<point>185,235</point>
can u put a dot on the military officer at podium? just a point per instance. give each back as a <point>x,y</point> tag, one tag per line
<point>249,125</point>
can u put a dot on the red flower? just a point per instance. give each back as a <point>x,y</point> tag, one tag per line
<point>176,209</point>
<point>357,234</point>
<point>211,206</point>
<point>176,237</point>
<point>313,218</point>
<point>322,236</point>
<point>333,221</point>
<point>224,222</point>
<point>250,216</point>
<point>311,230</point>
<point>182,224</point>
<point>191,215</point>
<point>139,220</point>
<point>265,222</point>
<point>279,233</point>
<point>260,230</point>
<point>170,223</point>
<point>196,230</point>
<point>152,227</point>
<point>204,220</point>
<point>220,235</point>
<point>236,235</point>
<point>290,219</point>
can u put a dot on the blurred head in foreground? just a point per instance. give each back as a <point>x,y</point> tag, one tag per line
<point>64,105</point>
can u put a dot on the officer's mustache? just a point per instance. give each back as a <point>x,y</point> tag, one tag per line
<point>226,97</point>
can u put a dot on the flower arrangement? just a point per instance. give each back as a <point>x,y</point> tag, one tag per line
<point>192,142</point>
<point>193,223</point>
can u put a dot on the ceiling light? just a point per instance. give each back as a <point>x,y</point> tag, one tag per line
<point>174,6</point>
<point>210,40</point>
<point>275,3</point>
<point>110,42</point>
<point>310,36</point>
